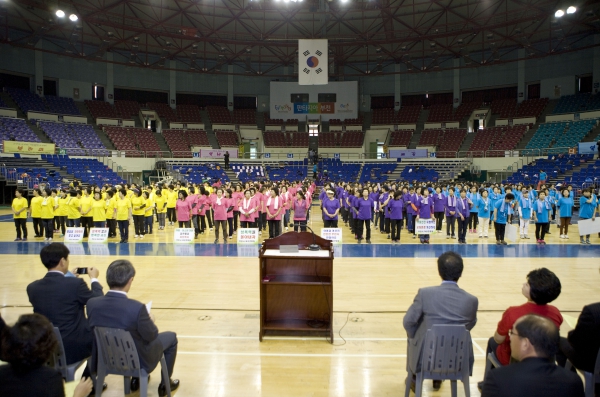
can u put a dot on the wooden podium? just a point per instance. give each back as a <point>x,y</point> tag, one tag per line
<point>296,289</point>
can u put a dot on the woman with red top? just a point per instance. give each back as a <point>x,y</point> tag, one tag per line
<point>230,208</point>
<point>237,197</point>
<point>300,206</point>
<point>183,209</point>
<point>274,209</point>
<point>220,205</point>
<point>248,211</point>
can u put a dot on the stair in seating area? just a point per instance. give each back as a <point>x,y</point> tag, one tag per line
<point>85,112</point>
<point>414,141</point>
<point>467,142</point>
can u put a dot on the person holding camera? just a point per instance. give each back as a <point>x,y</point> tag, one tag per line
<point>62,300</point>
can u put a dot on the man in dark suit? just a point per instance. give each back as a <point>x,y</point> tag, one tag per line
<point>116,310</point>
<point>444,304</point>
<point>582,344</point>
<point>62,300</point>
<point>534,340</point>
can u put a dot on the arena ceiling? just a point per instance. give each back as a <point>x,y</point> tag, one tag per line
<point>365,36</point>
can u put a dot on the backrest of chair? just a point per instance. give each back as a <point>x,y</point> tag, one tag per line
<point>446,351</point>
<point>59,358</point>
<point>117,351</point>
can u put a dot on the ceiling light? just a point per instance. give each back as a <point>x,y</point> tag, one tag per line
<point>73,17</point>
<point>60,13</point>
<point>571,10</point>
<point>559,13</point>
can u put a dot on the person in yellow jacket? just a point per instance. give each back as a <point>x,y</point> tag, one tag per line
<point>111,205</point>
<point>99,210</point>
<point>36,213</point>
<point>60,215</point>
<point>138,205</point>
<point>20,208</point>
<point>74,209</point>
<point>87,220</point>
<point>48,207</point>
<point>160,201</point>
<point>148,212</point>
<point>171,203</point>
<point>123,213</point>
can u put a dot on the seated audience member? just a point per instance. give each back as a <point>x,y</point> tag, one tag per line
<point>534,343</point>
<point>541,288</point>
<point>27,346</point>
<point>62,300</point>
<point>443,304</point>
<point>581,344</point>
<point>116,310</point>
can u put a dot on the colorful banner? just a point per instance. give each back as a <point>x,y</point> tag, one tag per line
<point>425,226</point>
<point>28,147</point>
<point>247,236</point>
<point>313,62</point>
<point>98,235</point>
<point>408,153</point>
<point>183,236</point>
<point>333,234</point>
<point>74,234</point>
<point>314,108</point>
<point>217,153</point>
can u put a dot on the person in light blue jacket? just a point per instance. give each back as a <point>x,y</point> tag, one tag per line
<point>565,207</point>
<point>525,205</point>
<point>484,208</point>
<point>541,211</point>
<point>587,210</point>
<point>473,197</point>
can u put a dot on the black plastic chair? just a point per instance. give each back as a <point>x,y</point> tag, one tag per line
<point>117,355</point>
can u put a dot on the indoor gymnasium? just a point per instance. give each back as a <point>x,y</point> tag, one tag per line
<point>294,198</point>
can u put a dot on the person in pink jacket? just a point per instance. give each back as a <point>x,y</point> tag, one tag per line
<point>203,206</point>
<point>230,208</point>
<point>193,200</point>
<point>274,208</point>
<point>248,210</point>
<point>237,197</point>
<point>220,204</point>
<point>183,209</point>
<point>300,206</point>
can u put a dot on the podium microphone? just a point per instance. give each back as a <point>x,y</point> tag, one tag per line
<point>314,246</point>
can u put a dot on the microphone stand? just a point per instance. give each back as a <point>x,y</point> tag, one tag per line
<point>314,246</point>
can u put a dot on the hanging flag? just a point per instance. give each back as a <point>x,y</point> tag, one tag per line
<point>312,62</point>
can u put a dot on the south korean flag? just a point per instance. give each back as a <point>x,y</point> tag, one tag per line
<point>312,62</point>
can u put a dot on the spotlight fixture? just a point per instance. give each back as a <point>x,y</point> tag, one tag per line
<point>73,17</point>
<point>571,10</point>
<point>559,13</point>
<point>60,13</point>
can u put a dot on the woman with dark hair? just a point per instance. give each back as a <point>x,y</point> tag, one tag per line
<point>87,220</point>
<point>27,346</point>
<point>73,210</point>
<point>60,215</point>
<point>362,210</point>
<point>148,213</point>
<point>183,210</point>
<point>122,214</point>
<point>138,205</point>
<point>48,207</point>
<point>160,201</point>
<point>99,211</point>
<point>20,208</point>
<point>331,209</point>
<point>230,207</point>
<point>248,210</point>
<point>395,208</point>
<point>274,208</point>
<point>111,203</point>
<point>220,204</point>
<point>36,213</point>
<point>237,197</point>
<point>171,203</point>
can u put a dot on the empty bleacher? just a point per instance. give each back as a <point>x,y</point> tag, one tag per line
<point>496,139</point>
<point>26,100</point>
<point>227,138</point>
<point>189,114</point>
<point>88,171</point>
<point>400,138</point>
<point>244,116</point>
<point>376,172</point>
<point>13,129</point>
<point>76,139</point>
<point>505,108</point>
<point>61,105</point>
<point>450,142</point>
<point>299,139</point>
<point>419,173</point>
<point>275,139</point>
<point>181,141</point>
<point>464,110</point>
<point>440,113</point>
<point>555,166</point>
<point>328,139</point>
<point>408,114</point>
<point>164,111</point>
<point>100,109</point>
<point>351,139</point>
<point>134,141</point>
<point>219,115</point>
<point>559,135</point>
<point>127,109</point>
<point>577,103</point>
<point>249,172</point>
<point>289,170</point>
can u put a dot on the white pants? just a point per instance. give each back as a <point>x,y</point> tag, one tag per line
<point>524,226</point>
<point>483,227</point>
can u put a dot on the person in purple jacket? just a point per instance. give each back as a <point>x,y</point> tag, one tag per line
<point>463,210</point>
<point>409,199</point>
<point>394,208</point>
<point>381,203</point>
<point>345,207</point>
<point>351,200</point>
<point>331,208</point>
<point>374,195</point>
<point>439,206</point>
<point>450,209</point>
<point>362,209</point>
<point>424,206</point>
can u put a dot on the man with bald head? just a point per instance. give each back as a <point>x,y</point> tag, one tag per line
<point>534,343</point>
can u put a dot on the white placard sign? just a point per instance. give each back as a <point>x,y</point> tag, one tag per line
<point>183,236</point>
<point>425,226</point>
<point>74,234</point>
<point>588,226</point>
<point>98,235</point>
<point>510,233</point>
<point>332,233</point>
<point>247,236</point>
